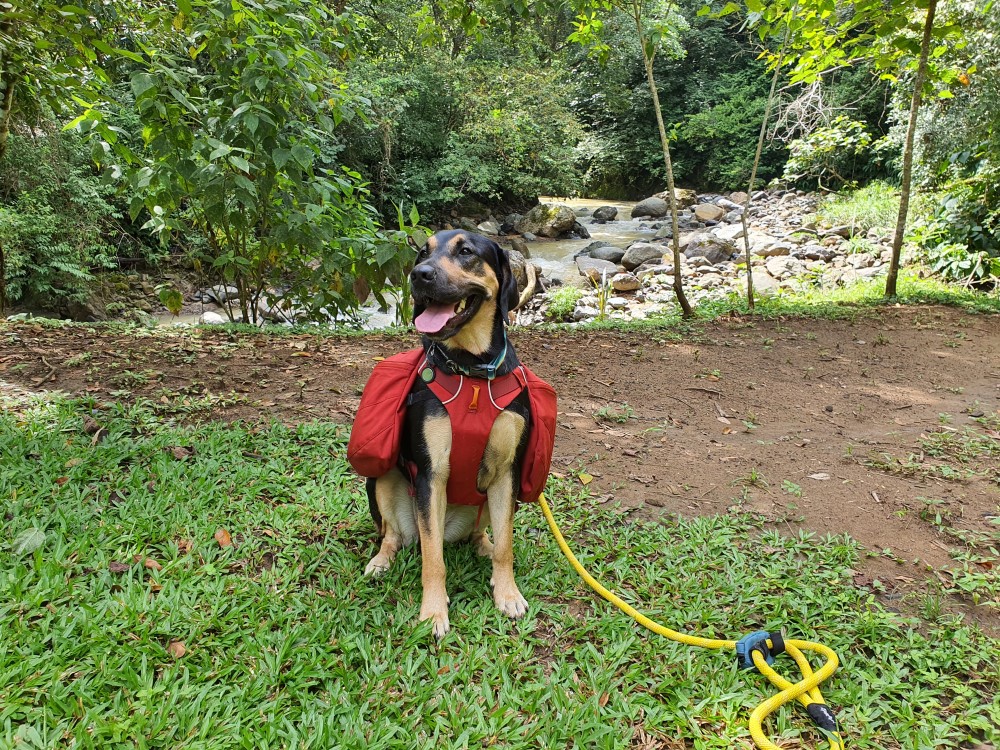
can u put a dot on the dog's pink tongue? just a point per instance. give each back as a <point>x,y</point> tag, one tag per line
<point>434,318</point>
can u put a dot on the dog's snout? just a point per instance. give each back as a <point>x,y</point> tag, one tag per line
<point>425,272</point>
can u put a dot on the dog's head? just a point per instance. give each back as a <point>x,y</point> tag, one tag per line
<point>459,279</point>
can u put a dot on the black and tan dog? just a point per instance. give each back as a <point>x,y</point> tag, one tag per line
<point>463,291</point>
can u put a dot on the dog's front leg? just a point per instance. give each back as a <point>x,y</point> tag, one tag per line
<point>498,475</point>
<point>432,504</point>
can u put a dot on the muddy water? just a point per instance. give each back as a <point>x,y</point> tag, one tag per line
<point>556,256</point>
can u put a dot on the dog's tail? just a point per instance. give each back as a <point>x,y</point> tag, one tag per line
<point>529,288</point>
<point>373,504</point>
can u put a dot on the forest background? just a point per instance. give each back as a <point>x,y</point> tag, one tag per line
<point>300,143</point>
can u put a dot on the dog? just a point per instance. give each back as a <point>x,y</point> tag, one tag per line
<point>463,291</point>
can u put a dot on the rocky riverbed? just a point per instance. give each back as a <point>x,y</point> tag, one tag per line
<point>789,250</point>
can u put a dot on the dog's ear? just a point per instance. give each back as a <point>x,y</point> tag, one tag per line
<point>508,284</point>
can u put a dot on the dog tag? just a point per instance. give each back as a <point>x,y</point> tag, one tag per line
<point>427,374</point>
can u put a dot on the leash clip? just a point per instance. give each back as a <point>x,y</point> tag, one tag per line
<point>757,641</point>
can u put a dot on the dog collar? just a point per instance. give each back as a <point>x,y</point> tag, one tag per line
<point>486,372</point>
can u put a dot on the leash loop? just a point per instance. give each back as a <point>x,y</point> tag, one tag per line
<point>758,646</point>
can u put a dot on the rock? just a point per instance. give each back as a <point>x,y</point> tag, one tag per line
<point>653,207</point>
<point>548,220</point>
<point>654,269</point>
<point>776,249</point>
<point>585,312</point>
<point>641,252</point>
<point>730,232</point>
<point>764,284</point>
<point>733,217</point>
<point>729,205</point>
<point>710,281</point>
<point>843,230</point>
<point>708,212</point>
<point>685,198</point>
<point>605,214</point>
<point>509,222</point>
<point>518,243</point>
<point>89,310</point>
<point>469,225</point>
<point>488,227</point>
<point>783,267</point>
<point>529,237</point>
<point>582,211</point>
<point>664,232</point>
<point>608,253</point>
<point>813,251</point>
<point>624,282</point>
<point>738,198</point>
<point>580,231</point>
<point>714,249</point>
<point>593,269</point>
<point>218,294</point>
<point>212,318</point>
<point>617,303</point>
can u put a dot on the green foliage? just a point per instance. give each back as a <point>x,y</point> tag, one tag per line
<point>58,220</point>
<point>562,302</point>
<point>830,151</point>
<point>444,132</point>
<point>240,105</point>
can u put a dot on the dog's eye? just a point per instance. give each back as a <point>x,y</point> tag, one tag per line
<point>465,250</point>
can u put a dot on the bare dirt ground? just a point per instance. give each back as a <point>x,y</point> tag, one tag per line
<point>883,427</point>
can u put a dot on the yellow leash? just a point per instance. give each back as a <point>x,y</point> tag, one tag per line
<point>756,649</point>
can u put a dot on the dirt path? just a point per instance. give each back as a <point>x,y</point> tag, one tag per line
<point>828,426</point>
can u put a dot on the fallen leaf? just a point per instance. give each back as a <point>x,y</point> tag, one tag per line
<point>150,563</point>
<point>603,700</point>
<point>73,462</point>
<point>184,546</point>
<point>180,452</point>
<point>223,538</point>
<point>62,480</point>
<point>176,649</point>
<point>444,670</point>
<point>586,479</point>
<point>723,420</point>
<point>301,354</point>
<point>27,541</point>
<point>118,567</point>
<point>727,430</point>
<point>820,476</point>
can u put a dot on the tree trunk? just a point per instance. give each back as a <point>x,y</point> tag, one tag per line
<point>686,310</point>
<point>907,176</point>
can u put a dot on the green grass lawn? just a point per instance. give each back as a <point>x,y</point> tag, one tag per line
<point>125,623</point>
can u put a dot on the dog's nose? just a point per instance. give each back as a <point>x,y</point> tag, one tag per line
<point>424,272</point>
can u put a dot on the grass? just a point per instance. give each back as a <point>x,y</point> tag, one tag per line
<point>875,205</point>
<point>126,624</point>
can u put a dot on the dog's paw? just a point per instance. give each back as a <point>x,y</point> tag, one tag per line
<point>483,546</point>
<point>510,602</point>
<point>377,566</point>
<point>439,618</point>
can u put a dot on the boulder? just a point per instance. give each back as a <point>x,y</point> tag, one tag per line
<point>605,213</point>
<point>488,227</point>
<point>774,249</point>
<point>729,232</point>
<point>90,310</point>
<point>708,212</point>
<point>518,243</point>
<point>685,198</point>
<point>764,284</point>
<point>509,222</point>
<point>715,250</point>
<point>739,198</point>
<point>608,252</point>
<point>580,231</point>
<point>784,267</point>
<point>654,269</point>
<point>212,318</point>
<point>593,269</point>
<point>218,294</point>
<point>653,207</point>
<point>624,282</point>
<point>469,225</point>
<point>641,252</point>
<point>547,220</point>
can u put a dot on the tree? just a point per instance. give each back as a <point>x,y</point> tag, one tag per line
<point>896,36</point>
<point>653,26</point>
<point>240,104</point>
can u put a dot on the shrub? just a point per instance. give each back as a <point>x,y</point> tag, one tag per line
<point>562,302</point>
<point>875,205</point>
